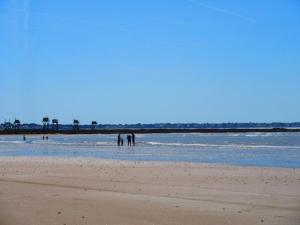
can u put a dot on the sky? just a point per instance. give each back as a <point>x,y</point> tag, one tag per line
<point>203,61</point>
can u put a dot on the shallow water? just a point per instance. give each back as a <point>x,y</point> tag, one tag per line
<point>251,149</point>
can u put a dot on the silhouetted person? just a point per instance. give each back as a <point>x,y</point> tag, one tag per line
<point>43,137</point>
<point>122,141</point>
<point>133,139</point>
<point>119,140</point>
<point>129,140</point>
<point>24,138</point>
<point>47,138</point>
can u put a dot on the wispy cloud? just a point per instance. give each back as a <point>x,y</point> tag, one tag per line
<point>27,13</point>
<point>222,10</point>
<point>84,22</point>
<point>167,21</point>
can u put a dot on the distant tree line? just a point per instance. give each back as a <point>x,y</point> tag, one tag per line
<point>94,125</point>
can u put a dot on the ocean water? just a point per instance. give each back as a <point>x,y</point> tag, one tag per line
<point>250,149</point>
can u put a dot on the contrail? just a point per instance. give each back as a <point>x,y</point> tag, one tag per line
<point>221,10</point>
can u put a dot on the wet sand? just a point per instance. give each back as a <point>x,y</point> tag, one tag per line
<point>50,191</point>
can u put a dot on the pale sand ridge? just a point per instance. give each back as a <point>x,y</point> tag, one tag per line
<point>53,191</point>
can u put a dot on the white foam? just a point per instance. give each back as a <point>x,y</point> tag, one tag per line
<point>218,145</point>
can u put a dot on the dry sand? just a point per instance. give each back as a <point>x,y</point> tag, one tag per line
<point>41,191</point>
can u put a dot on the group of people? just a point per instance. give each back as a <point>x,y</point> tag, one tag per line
<point>44,137</point>
<point>130,140</point>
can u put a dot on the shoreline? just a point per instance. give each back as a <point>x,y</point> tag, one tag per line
<point>95,160</point>
<point>98,160</point>
<point>147,131</point>
<point>39,190</point>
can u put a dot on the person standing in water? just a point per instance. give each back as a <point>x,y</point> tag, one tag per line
<point>24,138</point>
<point>119,140</point>
<point>129,140</point>
<point>133,139</point>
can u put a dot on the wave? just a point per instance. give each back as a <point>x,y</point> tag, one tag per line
<point>12,142</point>
<point>151,143</point>
<point>83,143</point>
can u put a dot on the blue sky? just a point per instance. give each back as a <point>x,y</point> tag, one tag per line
<point>150,61</point>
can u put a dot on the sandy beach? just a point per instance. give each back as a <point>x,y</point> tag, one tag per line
<point>50,191</point>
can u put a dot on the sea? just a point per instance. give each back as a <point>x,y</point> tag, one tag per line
<point>242,149</point>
